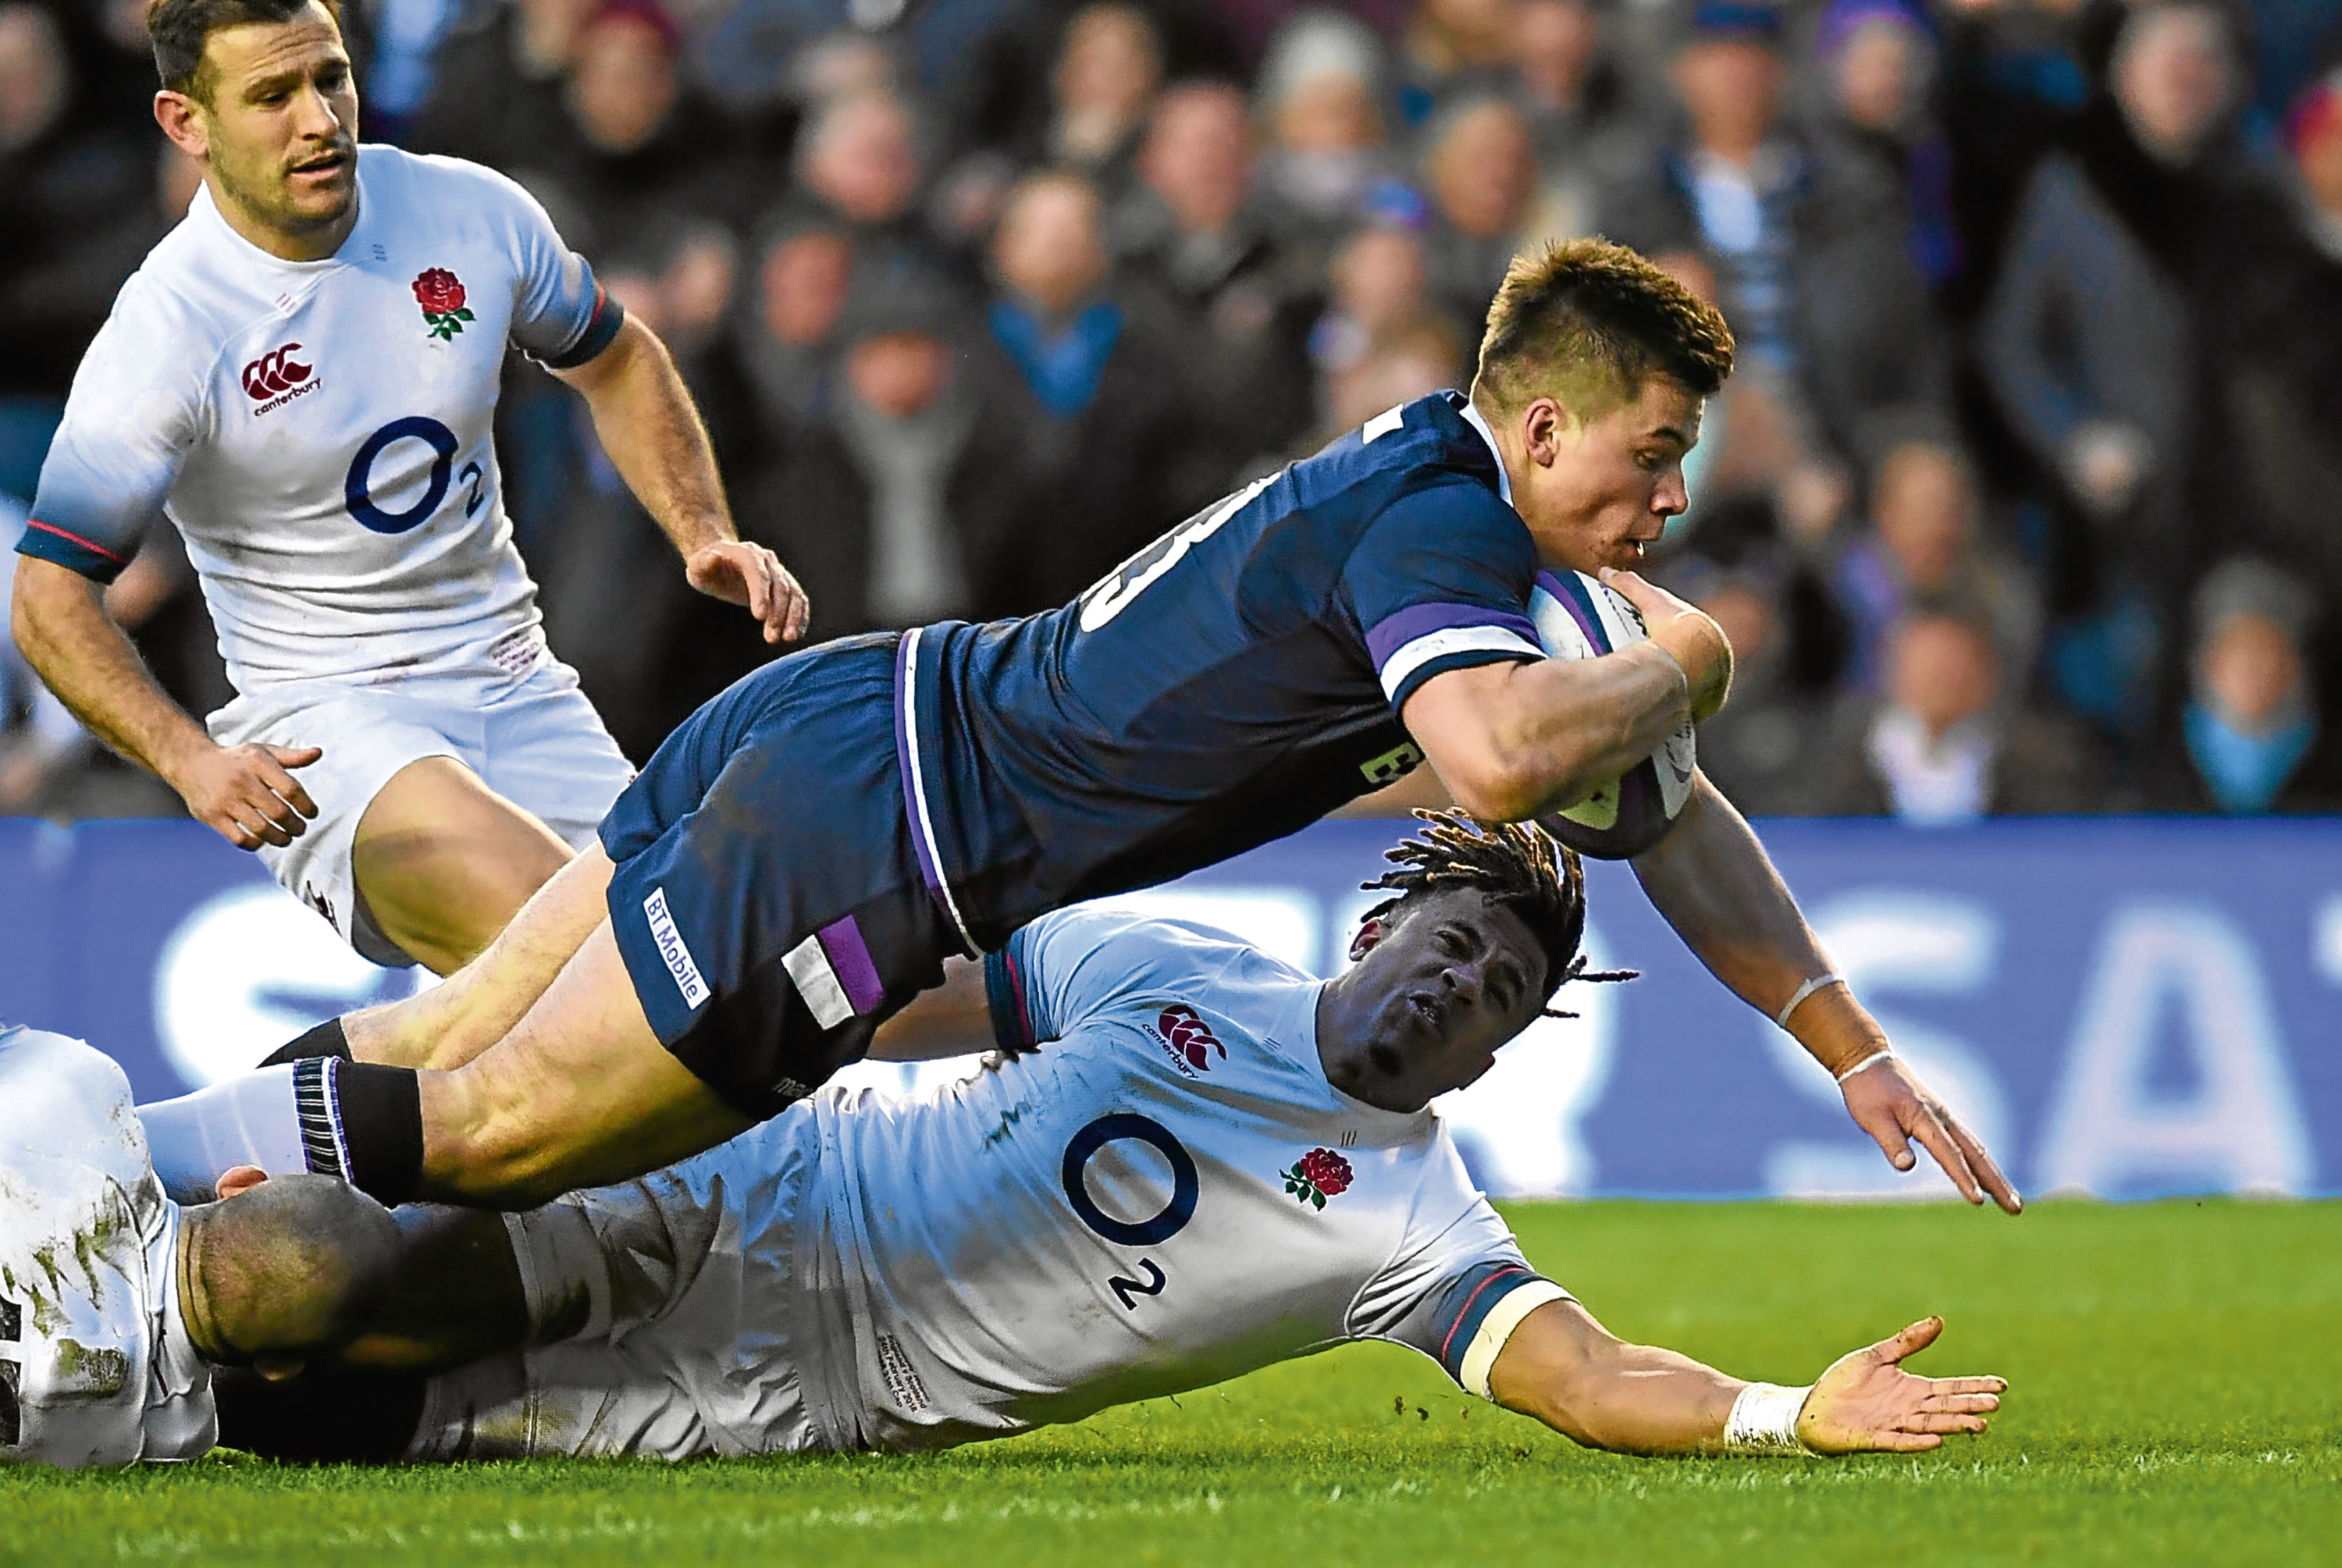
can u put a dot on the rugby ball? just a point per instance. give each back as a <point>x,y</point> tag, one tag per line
<point>1577,617</point>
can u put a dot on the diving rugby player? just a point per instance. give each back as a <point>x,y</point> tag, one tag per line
<point>800,856</point>
<point>1212,1162</point>
<point>303,377</point>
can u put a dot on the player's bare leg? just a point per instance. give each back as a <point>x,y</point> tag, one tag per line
<point>443,862</point>
<point>478,1005</point>
<point>581,1093</point>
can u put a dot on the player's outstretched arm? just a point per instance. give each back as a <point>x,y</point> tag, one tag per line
<point>247,795</point>
<point>1568,1370</point>
<point>1513,741</point>
<point>1713,881</point>
<point>648,425</point>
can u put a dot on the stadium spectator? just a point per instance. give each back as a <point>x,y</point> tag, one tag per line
<point>1481,170</point>
<point>888,497</point>
<point>76,205</point>
<point>1326,164</point>
<point>858,167</point>
<point>1101,410</point>
<point>1879,58</point>
<point>1453,50</point>
<point>2254,738</point>
<point>2091,344</point>
<point>1570,98</point>
<point>1808,247</point>
<point>782,338</point>
<point>1925,551</point>
<point>1104,87</point>
<point>1234,308</point>
<point>496,83</point>
<point>1942,747</point>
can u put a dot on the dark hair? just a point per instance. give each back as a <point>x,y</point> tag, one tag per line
<point>1517,865</point>
<point>178,29</point>
<point>1592,320</point>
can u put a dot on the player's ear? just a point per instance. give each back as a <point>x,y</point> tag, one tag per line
<point>1369,936</point>
<point>240,1179</point>
<point>182,120</point>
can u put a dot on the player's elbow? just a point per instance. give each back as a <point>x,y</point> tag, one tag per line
<point>1507,782</point>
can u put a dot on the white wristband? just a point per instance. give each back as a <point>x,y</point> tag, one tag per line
<point>1801,992</point>
<point>1870,1060</point>
<point>1763,1420</point>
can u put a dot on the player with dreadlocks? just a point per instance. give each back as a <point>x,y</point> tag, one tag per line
<point>1512,864</point>
<point>1190,1160</point>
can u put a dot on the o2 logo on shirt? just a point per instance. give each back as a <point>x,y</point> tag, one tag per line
<point>357,486</point>
<point>1187,1187</point>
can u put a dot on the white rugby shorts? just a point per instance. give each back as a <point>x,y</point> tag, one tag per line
<point>695,1303</point>
<point>535,741</point>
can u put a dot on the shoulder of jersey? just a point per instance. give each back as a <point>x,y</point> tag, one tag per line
<point>1578,617</point>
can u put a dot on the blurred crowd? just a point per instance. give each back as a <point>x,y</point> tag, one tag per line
<point>2026,498</point>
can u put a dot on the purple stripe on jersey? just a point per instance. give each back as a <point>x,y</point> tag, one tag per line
<point>1394,632</point>
<point>1571,592</point>
<point>849,955</point>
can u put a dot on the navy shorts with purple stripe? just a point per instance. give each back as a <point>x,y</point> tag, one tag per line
<point>768,900</point>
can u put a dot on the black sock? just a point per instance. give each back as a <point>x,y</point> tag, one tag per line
<point>363,1123</point>
<point>318,1418</point>
<point>326,1039</point>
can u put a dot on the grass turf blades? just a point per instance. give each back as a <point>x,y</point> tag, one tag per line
<point>2175,1391</point>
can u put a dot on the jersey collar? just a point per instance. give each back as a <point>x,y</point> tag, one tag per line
<point>1472,416</point>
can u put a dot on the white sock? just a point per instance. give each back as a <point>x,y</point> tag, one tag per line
<point>249,1120</point>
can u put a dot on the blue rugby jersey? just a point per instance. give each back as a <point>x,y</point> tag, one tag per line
<point>1235,681</point>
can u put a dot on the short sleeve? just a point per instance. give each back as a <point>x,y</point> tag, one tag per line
<point>129,423</point>
<point>561,317</point>
<point>1065,967</point>
<point>1440,581</point>
<point>1455,1296</point>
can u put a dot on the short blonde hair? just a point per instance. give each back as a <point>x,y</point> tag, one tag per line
<point>1589,322</point>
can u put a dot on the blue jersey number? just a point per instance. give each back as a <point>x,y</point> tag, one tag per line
<point>1186,1185</point>
<point>1127,582</point>
<point>358,488</point>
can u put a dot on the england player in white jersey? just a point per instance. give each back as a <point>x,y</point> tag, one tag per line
<point>1212,1162</point>
<point>303,377</point>
<point>115,1302</point>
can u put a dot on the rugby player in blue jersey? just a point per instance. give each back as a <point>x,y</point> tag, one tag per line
<point>797,862</point>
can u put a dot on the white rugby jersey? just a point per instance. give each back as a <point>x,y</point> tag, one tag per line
<point>1168,1193</point>
<point>95,1365</point>
<point>320,431</point>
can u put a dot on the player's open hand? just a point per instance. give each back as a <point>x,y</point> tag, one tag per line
<point>1867,1403</point>
<point>1887,1101</point>
<point>247,795</point>
<point>739,571</point>
<point>1686,631</point>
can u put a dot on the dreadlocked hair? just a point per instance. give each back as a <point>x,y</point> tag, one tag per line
<point>1517,865</point>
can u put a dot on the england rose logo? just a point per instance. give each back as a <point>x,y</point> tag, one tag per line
<point>1318,1175</point>
<point>440,292</point>
<point>1185,1031</point>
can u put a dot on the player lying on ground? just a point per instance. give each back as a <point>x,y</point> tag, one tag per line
<point>1212,1162</point>
<point>303,377</point>
<point>115,1302</point>
<point>797,860</point>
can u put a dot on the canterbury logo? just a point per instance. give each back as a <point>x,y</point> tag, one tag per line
<point>1187,1035</point>
<point>275,373</point>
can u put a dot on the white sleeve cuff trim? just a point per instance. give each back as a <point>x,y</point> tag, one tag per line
<point>1409,657</point>
<point>1497,1327</point>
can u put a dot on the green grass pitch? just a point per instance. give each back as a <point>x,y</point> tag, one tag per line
<point>2176,1396</point>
